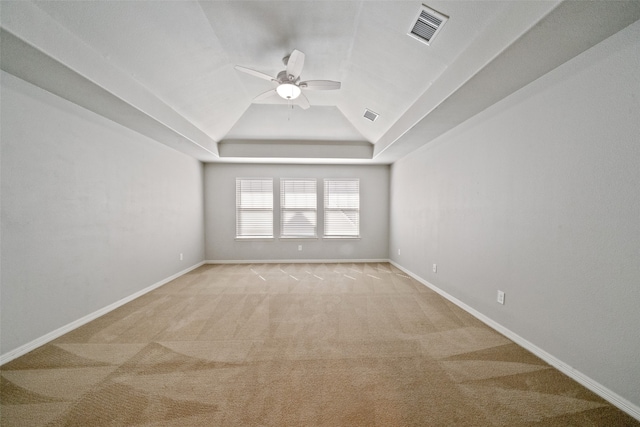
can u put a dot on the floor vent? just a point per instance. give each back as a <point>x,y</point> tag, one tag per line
<point>427,25</point>
<point>370,115</point>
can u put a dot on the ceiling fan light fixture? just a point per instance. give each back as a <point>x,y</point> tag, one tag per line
<point>288,82</point>
<point>288,91</point>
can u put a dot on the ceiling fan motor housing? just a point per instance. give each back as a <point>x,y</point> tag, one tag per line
<point>284,78</point>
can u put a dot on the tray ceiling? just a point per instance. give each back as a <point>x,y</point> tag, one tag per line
<point>166,68</point>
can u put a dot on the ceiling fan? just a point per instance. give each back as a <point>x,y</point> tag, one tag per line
<point>288,80</point>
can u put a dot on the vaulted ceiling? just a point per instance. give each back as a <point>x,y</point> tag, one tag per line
<point>166,68</point>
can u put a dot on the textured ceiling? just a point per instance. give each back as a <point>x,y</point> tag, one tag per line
<point>166,68</point>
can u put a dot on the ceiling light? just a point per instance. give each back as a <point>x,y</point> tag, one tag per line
<point>288,91</point>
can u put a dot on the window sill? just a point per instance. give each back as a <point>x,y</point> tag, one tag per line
<point>298,238</point>
<point>255,239</point>
<point>272,239</point>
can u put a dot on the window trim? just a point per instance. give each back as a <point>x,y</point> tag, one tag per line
<point>283,208</point>
<point>240,209</point>
<point>326,195</point>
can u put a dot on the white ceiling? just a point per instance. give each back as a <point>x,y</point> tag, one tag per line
<point>166,68</point>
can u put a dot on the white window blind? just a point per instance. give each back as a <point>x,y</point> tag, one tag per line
<point>298,205</point>
<point>342,208</point>
<point>254,207</point>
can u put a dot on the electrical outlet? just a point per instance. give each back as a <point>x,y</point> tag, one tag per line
<point>500,297</point>
<point>435,268</point>
<point>299,247</point>
<point>181,257</point>
<point>398,251</point>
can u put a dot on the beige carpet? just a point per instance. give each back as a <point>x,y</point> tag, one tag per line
<point>292,345</point>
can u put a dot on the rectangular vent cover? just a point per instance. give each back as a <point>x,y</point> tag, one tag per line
<point>427,25</point>
<point>370,115</point>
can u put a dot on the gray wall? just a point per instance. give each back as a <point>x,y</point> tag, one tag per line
<point>220,200</point>
<point>92,212</point>
<point>539,196</point>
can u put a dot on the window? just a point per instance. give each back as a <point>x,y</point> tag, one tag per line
<point>298,205</point>
<point>254,207</point>
<point>341,208</point>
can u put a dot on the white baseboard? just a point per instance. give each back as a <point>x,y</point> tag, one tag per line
<point>602,391</point>
<point>293,261</point>
<point>24,349</point>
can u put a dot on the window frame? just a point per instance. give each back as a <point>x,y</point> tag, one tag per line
<point>284,209</point>
<point>265,208</point>
<point>328,210</point>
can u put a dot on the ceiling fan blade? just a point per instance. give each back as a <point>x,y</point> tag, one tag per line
<point>302,101</point>
<point>295,63</point>
<point>266,95</point>
<point>320,85</point>
<point>255,73</point>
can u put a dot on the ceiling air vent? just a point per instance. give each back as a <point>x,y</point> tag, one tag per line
<point>370,115</point>
<point>427,25</point>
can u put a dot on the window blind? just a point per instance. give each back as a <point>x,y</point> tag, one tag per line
<point>298,206</point>
<point>254,207</point>
<point>341,208</point>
